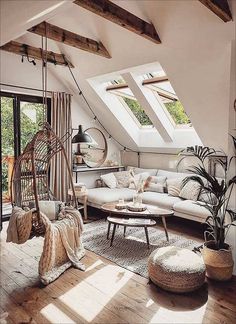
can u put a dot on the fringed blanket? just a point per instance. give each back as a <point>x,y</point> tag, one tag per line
<point>62,242</point>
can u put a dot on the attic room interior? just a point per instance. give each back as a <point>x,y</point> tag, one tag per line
<point>118,161</point>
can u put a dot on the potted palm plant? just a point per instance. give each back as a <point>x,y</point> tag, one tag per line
<point>217,254</point>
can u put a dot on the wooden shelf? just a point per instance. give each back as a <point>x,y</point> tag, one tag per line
<point>105,168</point>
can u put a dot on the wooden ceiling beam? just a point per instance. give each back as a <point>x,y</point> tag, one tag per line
<point>35,53</point>
<point>61,35</point>
<point>121,17</point>
<point>220,8</point>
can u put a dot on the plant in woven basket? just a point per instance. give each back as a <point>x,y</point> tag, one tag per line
<point>218,193</point>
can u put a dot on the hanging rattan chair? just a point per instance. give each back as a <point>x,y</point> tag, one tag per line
<point>31,174</point>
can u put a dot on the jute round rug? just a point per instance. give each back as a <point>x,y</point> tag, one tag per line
<point>130,252</point>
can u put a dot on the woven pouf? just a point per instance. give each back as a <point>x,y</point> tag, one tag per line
<point>176,269</point>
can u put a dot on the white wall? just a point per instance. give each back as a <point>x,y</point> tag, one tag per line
<point>13,72</point>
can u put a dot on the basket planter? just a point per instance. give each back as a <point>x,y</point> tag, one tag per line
<point>219,263</point>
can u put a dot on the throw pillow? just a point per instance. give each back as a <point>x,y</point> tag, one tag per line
<point>50,208</point>
<point>207,198</point>
<point>174,186</point>
<point>190,191</point>
<point>109,179</point>
<point>123,178</point>
<point>155,184</point>
<point>136,178</point>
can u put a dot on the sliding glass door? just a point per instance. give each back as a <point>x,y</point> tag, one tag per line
<point>21,118</point>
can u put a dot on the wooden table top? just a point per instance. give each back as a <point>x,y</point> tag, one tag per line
<point>132,222</point>
<point>150,211</point>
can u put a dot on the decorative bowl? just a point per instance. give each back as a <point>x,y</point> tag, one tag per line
<point>136,207</point>
<point>121,206</point>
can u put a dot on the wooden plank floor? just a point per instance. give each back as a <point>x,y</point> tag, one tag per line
<point>104,293</point>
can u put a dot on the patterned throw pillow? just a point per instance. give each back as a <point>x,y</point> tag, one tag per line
<point>174,186</point>
<point>155,184</point>
<point>109,179</point>
<point>190,191</point>
<point>123,178</point>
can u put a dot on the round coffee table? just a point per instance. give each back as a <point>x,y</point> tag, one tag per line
<point>130,222</point>
<point>152,212</point>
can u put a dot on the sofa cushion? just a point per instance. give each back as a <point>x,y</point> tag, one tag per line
<point>100,196</point>
<point>159,199</point>
<point>155,184</point>
<point>173,174</point>
<point>123,178</point>
<point>191,208</point>
<point>174,186</point>
<point>109,179</point>
<point>151,172</point>
<point>190,191</point>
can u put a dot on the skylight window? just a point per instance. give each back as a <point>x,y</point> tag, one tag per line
<point>127,98</point>
<point>159,84</point>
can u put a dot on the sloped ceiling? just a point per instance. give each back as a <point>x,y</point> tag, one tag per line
<point>195,53</point>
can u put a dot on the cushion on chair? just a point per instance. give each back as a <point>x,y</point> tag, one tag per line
<point>50,208</point>
<point>170,268</point>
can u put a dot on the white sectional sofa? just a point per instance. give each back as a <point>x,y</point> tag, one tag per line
<point>182,208</point>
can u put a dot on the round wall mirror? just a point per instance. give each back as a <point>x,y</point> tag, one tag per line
<point>94,153</point>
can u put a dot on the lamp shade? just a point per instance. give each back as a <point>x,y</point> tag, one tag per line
<point>81,137</point>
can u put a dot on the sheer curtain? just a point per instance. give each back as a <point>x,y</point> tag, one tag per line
<point>61,123</point>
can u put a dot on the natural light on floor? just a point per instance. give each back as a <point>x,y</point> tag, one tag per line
<point>89,297</point>
<point>164,315</point>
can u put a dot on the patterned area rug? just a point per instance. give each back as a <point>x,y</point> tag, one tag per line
<point>130,252</point>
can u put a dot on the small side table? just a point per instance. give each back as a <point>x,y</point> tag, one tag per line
<point>131,222</point>
<point>82,196</point>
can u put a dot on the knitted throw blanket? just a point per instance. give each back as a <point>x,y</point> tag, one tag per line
<point>62,241</point>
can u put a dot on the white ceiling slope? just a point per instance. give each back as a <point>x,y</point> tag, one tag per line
<point>195,53</point>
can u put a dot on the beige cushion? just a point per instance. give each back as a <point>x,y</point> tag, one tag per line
<point>155,184</point>
<point>207,198</point>
<point>109,179</point>
<point>190,191</point>
<point>174,186</point>
<point>123,178</point>
<point>49,208</point>
<point>159,199</point>
<point>151,172</point>
<point>191,208</point>
<point>100,196</point>
<point>173,174</point>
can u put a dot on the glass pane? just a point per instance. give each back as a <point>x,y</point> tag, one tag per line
<point>176,110</point>
<point>138,111</point>
<point>31,115</point>
<point>7,138</point>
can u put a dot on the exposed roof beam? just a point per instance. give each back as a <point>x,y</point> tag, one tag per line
<point>155,80</point>
<point>35,53</point>
<point>61,35</point>
<point>220,8</point>
<point>121,17</point>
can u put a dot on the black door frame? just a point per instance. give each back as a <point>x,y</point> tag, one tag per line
<point>17,99</point>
